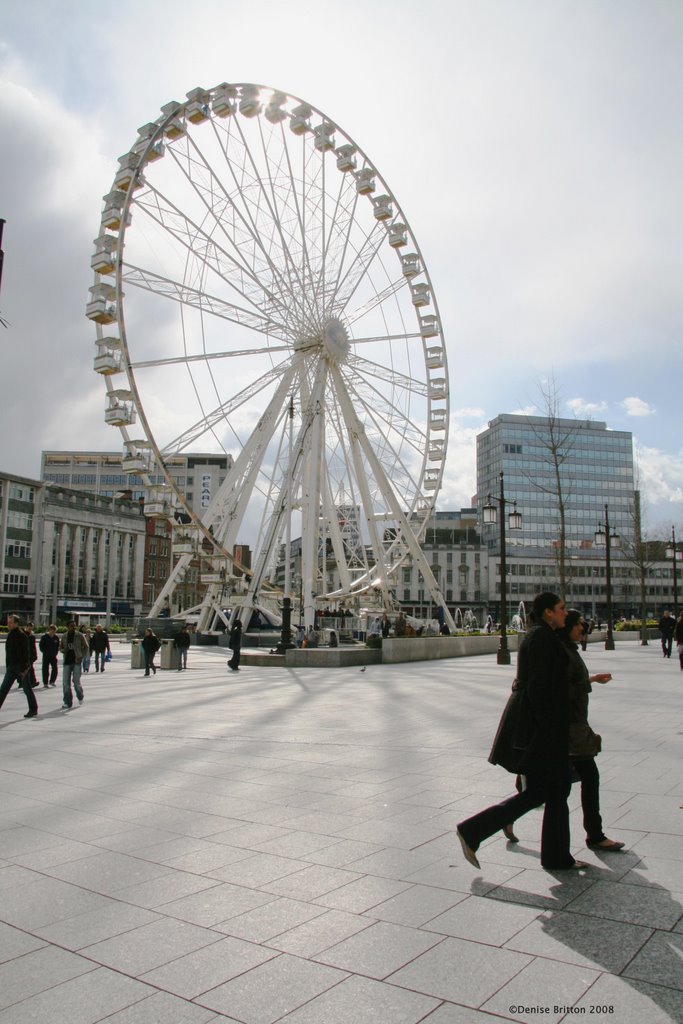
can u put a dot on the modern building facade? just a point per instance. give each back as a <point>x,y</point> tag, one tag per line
<point>587,465</point>
<point>69,553</point>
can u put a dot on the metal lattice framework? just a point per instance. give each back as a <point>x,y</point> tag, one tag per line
<point>258,292</point>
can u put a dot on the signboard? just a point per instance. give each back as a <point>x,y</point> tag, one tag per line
<point>205,491</point>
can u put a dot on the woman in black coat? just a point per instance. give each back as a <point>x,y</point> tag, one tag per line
<point>235,645</point>
<point>584,744</point>
<point>533,741</point>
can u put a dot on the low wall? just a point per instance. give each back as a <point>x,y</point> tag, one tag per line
<point>331,657</point>
<point>428,648</point>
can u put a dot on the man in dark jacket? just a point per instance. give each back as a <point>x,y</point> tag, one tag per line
<point>667,625</point>
<point>533,740</point>
<point>49,647</point>
<point>181,642</point>
<point>17,665</point>
<point>99,644</point>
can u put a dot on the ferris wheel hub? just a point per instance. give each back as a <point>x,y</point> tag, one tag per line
<point>335,340</point>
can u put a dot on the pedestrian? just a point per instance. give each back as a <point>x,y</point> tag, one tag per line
<point>678,633</point>
<point>334,642</point>
<point>32,653</point>
<point>99,644</point>
<point>400,625</point>
<point>85,666</point>
<point>182,642</point>
<point>584,633</point>
<point>533,741</point>
<point>235,645</point>
<point>17,664</point>
<point>376,626</point>
<point>667,627</point>
<point>49,647</point>
<point>72,647</point>
<point>150,645</point>
<point>584,744</point>
<point>385,626</point>
<point>311,638</point>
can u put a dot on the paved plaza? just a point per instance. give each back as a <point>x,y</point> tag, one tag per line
<point>279,845</point>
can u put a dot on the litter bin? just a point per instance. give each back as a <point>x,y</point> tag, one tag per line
<point>169,655</point>
<point>136,656</point>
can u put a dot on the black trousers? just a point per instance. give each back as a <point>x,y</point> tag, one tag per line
<point>50,670</point>
<point>12,673</point>
<point>549,788</point>
<point>588,773</point>
<point>667,644</point>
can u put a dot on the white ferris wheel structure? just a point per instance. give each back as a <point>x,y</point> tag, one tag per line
<point>258,292</point>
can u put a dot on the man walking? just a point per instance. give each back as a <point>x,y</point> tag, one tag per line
<point>73,649</point>
<point>667,625</point>
<point>182,643</point>
<point>49,648</point>
<point>17,665</point>
<point>99,644</point>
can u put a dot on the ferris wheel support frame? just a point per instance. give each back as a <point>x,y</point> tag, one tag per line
<point>359,437</point>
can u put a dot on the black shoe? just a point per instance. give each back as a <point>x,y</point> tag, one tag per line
<point>31,714</point>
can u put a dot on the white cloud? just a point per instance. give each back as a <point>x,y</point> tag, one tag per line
<point>661,479</point>
<point>580,407</point>
<point>637,407</point>
<point>467,414</point>
<point>528,410</point>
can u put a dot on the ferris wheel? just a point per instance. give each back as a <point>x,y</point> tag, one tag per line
<point>258,292</point>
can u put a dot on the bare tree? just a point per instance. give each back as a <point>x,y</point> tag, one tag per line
<point>557,438</point>
<point>639,554</point>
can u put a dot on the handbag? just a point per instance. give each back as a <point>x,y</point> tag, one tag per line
<point>108,656</point>
<point>583,742</point>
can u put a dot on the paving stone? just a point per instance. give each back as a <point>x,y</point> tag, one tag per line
<point>38,971</point>
<point>660,961</point>
<point>481,920</point>
<point>460,971</point>
<point>551,986</point>
<point>582,940</point>
<point>362,1001</point>
<point>379,950</point>
<point>637,904</point>
<point>208,967</point>
<point>267,993</point>
<point>141,950</point>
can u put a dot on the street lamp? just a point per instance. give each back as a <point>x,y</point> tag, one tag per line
<point>672,553</point>
<point>605,537</point>
<point>490,512</point>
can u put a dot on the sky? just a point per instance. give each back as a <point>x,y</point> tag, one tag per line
<point>534,145</point>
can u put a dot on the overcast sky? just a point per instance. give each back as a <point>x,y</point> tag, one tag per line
<point>535,146</point>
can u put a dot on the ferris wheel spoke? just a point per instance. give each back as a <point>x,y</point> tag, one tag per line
<point>188,233</point>
<point>386,373</point>
<point>359,267</point>
<point>379,298</point>
<point>293,236</point>
<point>251,215</point>
<point>246,236</point>
<point>206,356</point>
<point>188,296</point>
<point>206,423</point>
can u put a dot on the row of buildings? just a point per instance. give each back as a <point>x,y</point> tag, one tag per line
<point>77,541</point>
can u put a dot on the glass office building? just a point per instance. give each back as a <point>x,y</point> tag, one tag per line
<point>595,467</point>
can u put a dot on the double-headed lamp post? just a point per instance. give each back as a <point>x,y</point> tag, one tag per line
<point>514,523</point>
<point>605,536</point>
<point>672,553</point>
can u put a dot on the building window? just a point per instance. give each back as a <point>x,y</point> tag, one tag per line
<point>20,520</point>
<point>18,549</point>
<point>15,583</point>
<point>20,492</point>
